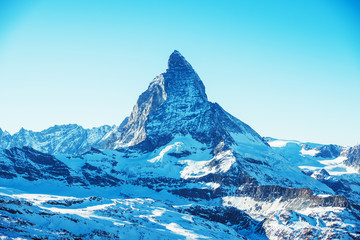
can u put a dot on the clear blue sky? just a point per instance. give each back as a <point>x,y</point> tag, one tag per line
<point>290,69</point>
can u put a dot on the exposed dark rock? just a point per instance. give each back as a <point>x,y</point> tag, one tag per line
<point>159,183</point>
<point>272,192</point>
<point>102,180</point>
<point>195,194</point>
<point>321,175</point>
<point>93,151</point>
<point>251,160</point>
<point>238,219</point>
<point>336,185</point>
<point>33,165</point>
<point>180,154</point>
<point>330,201</point>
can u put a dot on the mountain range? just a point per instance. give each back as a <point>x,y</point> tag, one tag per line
<point>179,167</point>
<point>69,139</point>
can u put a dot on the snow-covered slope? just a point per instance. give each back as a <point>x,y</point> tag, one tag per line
<point>333,165</point>
<point>203,187</point>
<point>69,139</point>
<point>179,167</point>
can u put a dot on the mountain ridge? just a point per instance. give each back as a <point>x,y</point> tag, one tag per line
<point>67,138</point>
<point>180,166</point>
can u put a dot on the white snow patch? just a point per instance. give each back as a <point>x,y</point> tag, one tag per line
<point>197,169</point>
<point>333,162</point>
<point>278,143</point>
<point>213,185</point>
<point>188,218</point>
<point>176,146</point>
<point>176,228</point>
<point>311,152</point>
<point>334,167</point>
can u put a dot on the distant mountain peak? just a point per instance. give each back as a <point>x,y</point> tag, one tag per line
<point>181,82</point>
<point>178,62</point>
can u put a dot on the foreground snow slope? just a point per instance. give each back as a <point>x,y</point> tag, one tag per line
<point>43,216</point>
<point>195,183</point>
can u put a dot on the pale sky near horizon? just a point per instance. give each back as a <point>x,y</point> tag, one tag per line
<point>289,69</point>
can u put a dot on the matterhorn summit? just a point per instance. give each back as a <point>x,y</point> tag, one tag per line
<point>175,103</point>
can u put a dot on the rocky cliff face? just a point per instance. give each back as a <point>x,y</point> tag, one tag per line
<point>329,151</point>
<point>270,193</point>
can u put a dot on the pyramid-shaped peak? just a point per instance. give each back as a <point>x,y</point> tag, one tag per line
<point>176,104</point>
<point>178,62</point>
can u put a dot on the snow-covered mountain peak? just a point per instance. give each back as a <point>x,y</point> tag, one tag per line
<point>175,104</point>
<point>181,81</point>
<point>23,130</point>
<point>4,132</point>
<point>178,62</point>
<point>353,157</point>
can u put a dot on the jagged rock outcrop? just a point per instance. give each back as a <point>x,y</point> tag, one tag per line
<point>320,175</point>
<point>329,151</point>
<point>229,216</point>
<point>271,192</point>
